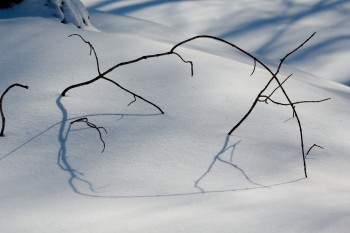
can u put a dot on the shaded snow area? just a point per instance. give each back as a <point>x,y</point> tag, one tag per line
<point>66,11</point>
<point>267,28</point>
<point>172,172</point>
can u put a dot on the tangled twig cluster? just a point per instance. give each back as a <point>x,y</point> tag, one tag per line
<point>261,97</point>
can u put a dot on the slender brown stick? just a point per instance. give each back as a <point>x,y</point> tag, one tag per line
<point>1,110</point>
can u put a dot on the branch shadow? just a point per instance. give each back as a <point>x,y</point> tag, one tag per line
<point>63,135</point>
<point>290,13</point>
<point>217,158</point>
<point>127,8</point>
<point>76,177</point>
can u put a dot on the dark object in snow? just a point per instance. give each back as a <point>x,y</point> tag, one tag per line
<point>314,145</point>
<point>102,76</point>
<point>2,113</point>
<point>91,125</point>
<point>261,97</point>
<point>8,3</point>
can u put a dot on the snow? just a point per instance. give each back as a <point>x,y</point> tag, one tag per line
<point>66,11</point>
<point>267,28</point>
<point>177,172</point>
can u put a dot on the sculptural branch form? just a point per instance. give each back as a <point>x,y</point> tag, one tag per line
<point>261,97</point>
<point>91,125</point>
<point>1,110</point>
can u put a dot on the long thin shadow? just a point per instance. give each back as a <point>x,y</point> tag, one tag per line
<point>63,136</point>
<point>230,163</point>
<point>62,160</point>
<point>122,115</point>
<point>189,193</point>
<point>128,8</point>
<point>77,176</point>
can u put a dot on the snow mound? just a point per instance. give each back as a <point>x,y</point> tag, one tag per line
<point>67,11</point>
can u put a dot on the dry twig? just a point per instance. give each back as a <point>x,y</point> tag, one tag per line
<point>1,99</point>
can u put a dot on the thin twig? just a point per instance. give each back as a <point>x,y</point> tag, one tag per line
<point>134,100</point>
<point>92,49</point>
<point>288,104</point>
<point>253,68</point>
<point>91,125</point>
<point>1,110</point>
<point>314,145</point>
<point>135,95</point>
<point>191,63</point>
<point>281,84</point>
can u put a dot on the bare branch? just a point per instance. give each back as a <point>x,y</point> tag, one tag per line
<point>102,75</point>
<point>1,110</point>
<point>288,104</point>
<point>256,60</point>
<point>91,125</point>
<point>281,85</point>
<point>191,63</point>
<point>314,145</point>
<point>92,49</point>
<point>293,51</point>
<point>132,101</point>
<point>253,68</point>
<point>135,95</point>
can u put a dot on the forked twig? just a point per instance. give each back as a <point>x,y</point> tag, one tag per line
<point>285,80</point>
<point>132,93</point>
<point>288,104</point>
<point>314,145</point>
<point>91,125</point>
<point>102,76</point>
<point>1,110</point>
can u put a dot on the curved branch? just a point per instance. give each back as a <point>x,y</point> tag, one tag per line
<point>91,125</point>
<point>1,110</point>
<point>133,101</point>
<point>191,63</point>
<point>92,49</point>
<point>132,93</point>
<point>314,145</point>
<point>281,84</point>
<point>253,68</point>
<point>111,69</point>
<point>256,60</point>
<point>294,103</point>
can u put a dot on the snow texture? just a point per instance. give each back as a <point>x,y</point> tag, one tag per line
<point>177,172</point>
<point>67,11</point>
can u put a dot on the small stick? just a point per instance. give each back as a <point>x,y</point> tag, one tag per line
<point>1,99</point>
<point>314,145</point>
<point>254,67</point>
<point>91,125</point>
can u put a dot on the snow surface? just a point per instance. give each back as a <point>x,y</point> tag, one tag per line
<point>267,28</point>
<point>66,11</point>
<point>177,172</point>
